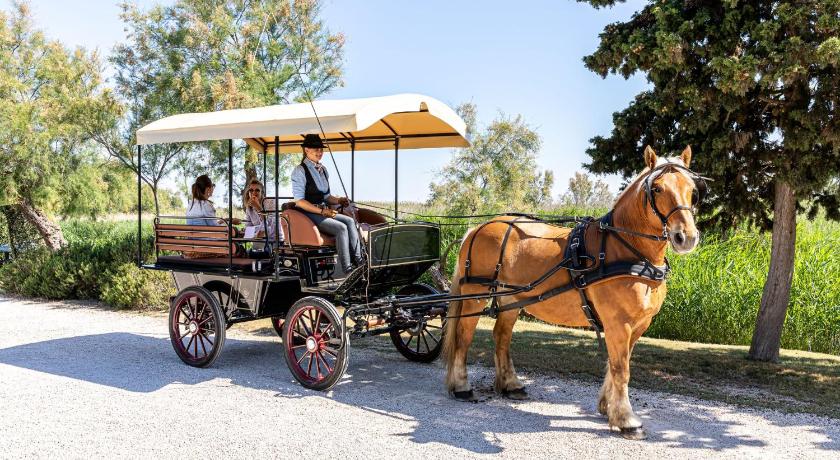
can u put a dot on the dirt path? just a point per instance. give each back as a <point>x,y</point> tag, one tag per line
<point>78,381</point>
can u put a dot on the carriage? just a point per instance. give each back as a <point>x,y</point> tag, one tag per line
<point>298,283</point>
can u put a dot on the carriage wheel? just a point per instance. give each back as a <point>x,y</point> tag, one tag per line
<point>423,341</point>
<point>196,326</point>
<point>315,343</point>
<point>277,322</point>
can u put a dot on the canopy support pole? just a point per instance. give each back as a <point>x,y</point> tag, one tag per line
<point>139,210</point>
<point>264,178</point>
<point>277,197</point>
<point>230,205</point>
<point>352,170</point>
<point>396,177</point>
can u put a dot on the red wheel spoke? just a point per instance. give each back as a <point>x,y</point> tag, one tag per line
<point>299,346</point>
<point>295,331</point>
<point>317,324</point>
<point>433,326</point>
<point>195,347</point>
<point>418,345</point>
<point>206,337</point>
<point>203,348</point>
<point>408,344</point>
<point>303,324</point>
<point>190,343</point>
<point>309,371</point>
<point>332,352</point>
<point>325,362</point>
<point>302,356</point>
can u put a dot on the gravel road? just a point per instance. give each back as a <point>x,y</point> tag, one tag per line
<point>78,381</point>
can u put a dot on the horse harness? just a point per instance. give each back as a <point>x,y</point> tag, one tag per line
<point>584,268</point>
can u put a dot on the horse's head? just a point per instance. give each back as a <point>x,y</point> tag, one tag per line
<point>671,192</point>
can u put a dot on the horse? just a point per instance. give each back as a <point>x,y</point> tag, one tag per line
<point>624,304</point>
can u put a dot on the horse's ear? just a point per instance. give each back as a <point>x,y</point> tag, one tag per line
<point>686,156</point>
<point>650,157</point>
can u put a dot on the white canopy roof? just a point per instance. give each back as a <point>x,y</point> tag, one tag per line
<point>368,124</point>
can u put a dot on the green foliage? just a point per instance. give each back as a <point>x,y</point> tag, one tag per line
<point>586,193</point>
<point>714,293</point>
<point>200,56</point>
<point>86,267</point>
<point>753,87</point>
<point>497,172</point>
<point>45,92</point>
<point>134,288</point>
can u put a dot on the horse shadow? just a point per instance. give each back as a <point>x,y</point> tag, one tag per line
<point>381,383</point>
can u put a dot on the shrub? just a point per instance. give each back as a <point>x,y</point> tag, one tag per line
<point>132,287</point>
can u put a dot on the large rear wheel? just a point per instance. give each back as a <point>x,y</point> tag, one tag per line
<point>315,343</point>
<point>421,341</point>
<point>196,326</point>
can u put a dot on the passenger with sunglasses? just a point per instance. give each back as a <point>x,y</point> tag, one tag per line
<point>253,205</point>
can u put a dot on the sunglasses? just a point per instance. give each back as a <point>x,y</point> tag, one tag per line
<point>253,190</point>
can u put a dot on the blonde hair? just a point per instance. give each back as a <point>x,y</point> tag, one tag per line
<point>245,196</point>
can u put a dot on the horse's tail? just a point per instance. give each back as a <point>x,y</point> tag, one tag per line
<point>450,335</point>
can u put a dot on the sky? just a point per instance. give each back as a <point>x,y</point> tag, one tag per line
<point>508,58</point>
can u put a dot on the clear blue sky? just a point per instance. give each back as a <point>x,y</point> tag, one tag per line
<point>517,58</point>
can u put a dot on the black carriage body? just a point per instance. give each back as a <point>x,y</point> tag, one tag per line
<point>397,255</point>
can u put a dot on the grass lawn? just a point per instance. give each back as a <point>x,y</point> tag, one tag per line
<point>800,382</point>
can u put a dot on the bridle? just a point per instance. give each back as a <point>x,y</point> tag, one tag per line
<point>697,196</point>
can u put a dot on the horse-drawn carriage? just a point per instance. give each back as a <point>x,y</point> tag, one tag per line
<point>552,271</point>
<point>313,304</point>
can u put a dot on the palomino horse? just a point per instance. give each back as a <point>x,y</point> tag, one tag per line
<point>655,209</point>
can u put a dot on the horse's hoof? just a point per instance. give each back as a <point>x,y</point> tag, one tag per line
<point>518,394</point>
<point>466,396</point>
<point>635,434</point>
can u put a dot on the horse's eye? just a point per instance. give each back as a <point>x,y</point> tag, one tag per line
<point>657,190</point>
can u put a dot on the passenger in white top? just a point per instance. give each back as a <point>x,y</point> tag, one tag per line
<point>201,210</point>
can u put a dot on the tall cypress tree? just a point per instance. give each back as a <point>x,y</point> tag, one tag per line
<point>754,87</point>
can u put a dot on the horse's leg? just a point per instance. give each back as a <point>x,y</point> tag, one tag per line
<point>457,381</point>
<point>607,386</point>
<point>619,411</point>
<point>507,383</point>
<point>606,391</point>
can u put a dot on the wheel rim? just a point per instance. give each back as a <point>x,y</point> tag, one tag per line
<point>313,345</point>
<point>424,337</point>
<point>194,326</point>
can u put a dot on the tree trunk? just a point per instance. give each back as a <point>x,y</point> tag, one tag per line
<point>439,277</point>
<point>767,337</point>
<point>49,231</point>
<point>157,204</point>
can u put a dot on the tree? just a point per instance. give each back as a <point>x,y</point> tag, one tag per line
<point>584,193</point>
<point>45,91</point>
<point>754,88</point>
<point>498,172</point>
<point>205,55</point>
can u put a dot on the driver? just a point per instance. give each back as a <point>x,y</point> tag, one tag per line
<point>311,192</point>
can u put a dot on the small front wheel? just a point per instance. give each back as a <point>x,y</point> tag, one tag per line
<point>315,343</point>
<point>422,341</point>
<point>196,326</point>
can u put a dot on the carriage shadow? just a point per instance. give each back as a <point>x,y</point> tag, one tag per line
<point>382,384</point>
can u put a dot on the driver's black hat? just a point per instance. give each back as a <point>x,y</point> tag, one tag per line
<point>313,141</point>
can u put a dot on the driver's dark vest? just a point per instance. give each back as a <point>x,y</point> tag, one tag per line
<point>312,194</point>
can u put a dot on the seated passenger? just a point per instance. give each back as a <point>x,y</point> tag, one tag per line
<point>201,210</point>
<point>311,191</point>
<point>253,206</point>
